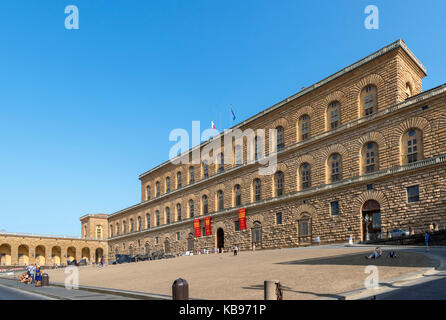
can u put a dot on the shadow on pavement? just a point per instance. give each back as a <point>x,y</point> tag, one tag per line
<point>404,259</point>
<point>288,289</point>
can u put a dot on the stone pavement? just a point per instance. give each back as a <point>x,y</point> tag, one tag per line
<point>305,273</point>
<point>53,292</point>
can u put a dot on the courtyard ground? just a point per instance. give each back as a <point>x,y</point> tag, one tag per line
<point>305,273</point>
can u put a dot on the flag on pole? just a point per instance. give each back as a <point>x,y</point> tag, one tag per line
<point>232,113</point>
<point>212,124</point>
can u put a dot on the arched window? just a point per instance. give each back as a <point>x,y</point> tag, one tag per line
<point>158,189</point>
<point>205,204</point>
<point>333,115</point>
<point>191,175</point>
<point>257,190</point>
<point>412,145</point>
<point>178,212</point>
<point>221,166</point>
<point>305,228</point>
<point>139,224</point>
<point>148,192</point>
<point>305,175</point>
<point>369,100</point>
<point>191,208</point>
<point>179,180</point>
<point>205,169</point>
<point>167,211</point>
<point>158,218</point>
<point>132,225</point>
<point>167,184</point>
<point>237,195</point>
<point>370,157</point>
<point>279,183</point>
<point>257,234</point>
<point>258,148</point>
<point>304,127</point>
<point>111,231</point>
<point>124,227</point>
<point>117,229</point>
<point>238,155</point>
<point>335,165</point>
<point>280,138</point>
<point>148,220</point>
<point>220,200</point>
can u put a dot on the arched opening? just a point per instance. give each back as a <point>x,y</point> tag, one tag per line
<point>86,254</point>
<point>147,248</point>
<point>71,253</point>
<point>99,253</point>
<point>257,235</point>
<point>131,250</point>
<point>220,240</point>
<point>56,256</point>
<point>167,246</point>
<point>371,220</point>
<point>40,255</point>
<point>23,255</point>
<point>190,242</point>
<point>5,255</point>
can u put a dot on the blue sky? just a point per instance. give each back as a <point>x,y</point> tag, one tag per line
<point>84,112</point>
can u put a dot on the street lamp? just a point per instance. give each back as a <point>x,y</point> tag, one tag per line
<point>367,220</point>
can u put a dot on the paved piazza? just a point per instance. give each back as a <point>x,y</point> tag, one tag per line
<point>305,273</point>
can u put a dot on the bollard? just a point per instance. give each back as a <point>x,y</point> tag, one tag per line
<point>45,280</point>
<point>180,290</point>
<point>273,290</point>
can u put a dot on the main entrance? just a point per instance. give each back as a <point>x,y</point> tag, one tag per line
<point>371,220</point>
<point>220,239</point>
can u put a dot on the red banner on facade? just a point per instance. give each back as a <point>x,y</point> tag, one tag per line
<point>207,226</point>
<point>242,219</point>
<point>197,228</point>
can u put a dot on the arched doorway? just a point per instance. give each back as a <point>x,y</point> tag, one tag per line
<point>23,255</point>
<point>167,246</point>
<point>40,255</point>
<point>220,240</point>
<point>257,235</point>
<point>371,220</point>
<point>71,254</point>
<point>190,242</point>
<point>56,255</point>
<point>147,248</point>
<point>5,255</point>
<point>98,254</point>
<point>86,254</point>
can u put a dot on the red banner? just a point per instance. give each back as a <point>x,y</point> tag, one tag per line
<point>242,219</point>
<point>197,228</point>
<point>207,226</point>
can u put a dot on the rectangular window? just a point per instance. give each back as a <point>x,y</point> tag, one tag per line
<point>279,218</point>
<point>334,208</point>
<point>370,187</point>
<point>157,240</point>
<point>203,231</point>
<point>236,225</point>
<point>178,236</point>
<point>413,194</point>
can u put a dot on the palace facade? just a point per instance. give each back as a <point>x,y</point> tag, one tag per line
<point>358,154</point>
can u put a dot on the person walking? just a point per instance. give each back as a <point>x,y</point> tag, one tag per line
<point>426,240</point>
<point>38,276</point>
<point>102,261</point>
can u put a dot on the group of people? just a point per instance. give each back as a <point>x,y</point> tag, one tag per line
<point>378,252</point>
<point>32,274</point>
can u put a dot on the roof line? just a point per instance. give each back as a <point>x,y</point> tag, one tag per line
<point>397,44</point>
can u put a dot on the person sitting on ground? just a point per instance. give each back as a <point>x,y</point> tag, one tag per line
<point>377,253</point>
<point>392,254</point>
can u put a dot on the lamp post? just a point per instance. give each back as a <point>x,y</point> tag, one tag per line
<point>367,220</point>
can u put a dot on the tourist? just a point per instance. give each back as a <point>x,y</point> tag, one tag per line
<point>38,276</point>
<point>377,253</point>
<point>102,261</point>
<point>235,250</point>
<point>426,240</point>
